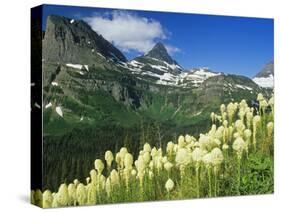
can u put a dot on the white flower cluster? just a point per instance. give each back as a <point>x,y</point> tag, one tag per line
<point>185,156</point>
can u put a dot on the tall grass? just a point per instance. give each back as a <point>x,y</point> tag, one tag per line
<point>226,160</point>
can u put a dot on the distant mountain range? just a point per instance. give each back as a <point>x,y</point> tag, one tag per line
<point>78,61</point>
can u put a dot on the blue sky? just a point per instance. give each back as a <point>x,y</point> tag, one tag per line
<point>236,45</point>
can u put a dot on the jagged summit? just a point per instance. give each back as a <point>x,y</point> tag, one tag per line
<point>73,41</point>
<point>160,52</point>
<point>267,70</point>
<point>157,60</point>
<point>72,45</point>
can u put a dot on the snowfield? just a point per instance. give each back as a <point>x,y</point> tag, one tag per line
<point>76,66</point>
<point>193,76</point>
<point>265,82</point>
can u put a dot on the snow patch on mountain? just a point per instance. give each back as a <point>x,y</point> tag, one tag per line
<point>243,87</point>
<point>167,65</point>
<point>192,77</point>
<point>76,66</point>
<point>101,55</point>
<point>135,63</point>
<point>265,82</point>
<point>204,73</point>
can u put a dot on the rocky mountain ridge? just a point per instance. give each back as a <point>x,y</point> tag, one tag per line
<point>78,63</point>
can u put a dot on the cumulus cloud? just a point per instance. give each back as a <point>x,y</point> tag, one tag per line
<point>129,31</point>
<point>172,49</point>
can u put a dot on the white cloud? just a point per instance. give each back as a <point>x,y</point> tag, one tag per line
<point>172,49</point>
<point>128,31</point>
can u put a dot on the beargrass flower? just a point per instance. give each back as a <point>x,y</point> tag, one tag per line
<point>256,122</point>
<point>225,147</point>
<point>108,158</point>
<point>133,172</point>
<point>170,148</point>
<point>114,177</point>
<point>270,127</point>
<point>213,117</point>
<point>239,125</point>
<point>62,196</point>
<point>168,166</point>
<point>99,166</point>
<point>225,123</point>
<point>91,194</point>
<point>260,97</point>
<point>231,109</point>
<point>207,160</point>
<point>146,157</point>
<point>76,182</point>
<point>128,161</point>
<point>181,141</point>
<point>153,152</point>
<point>239,145</point>
<point>249,118</point>
<point>263,105</point>
<point>169,185</point>
<point>188,139</point>
<point>72,193</point>
<point>47,199</point>
<point>204,141</point>
<point>123,151</point>
<point>93,175</point>
<point>197,155</point>
<point>247,135</point>
<point>146,147</point>
<point>217,157</point>
<point>38,197</point>
<point>183,157</point>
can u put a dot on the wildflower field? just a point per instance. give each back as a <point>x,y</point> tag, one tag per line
<point>235,157</point>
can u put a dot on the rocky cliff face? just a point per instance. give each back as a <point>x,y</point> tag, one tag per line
<point>73,41</point>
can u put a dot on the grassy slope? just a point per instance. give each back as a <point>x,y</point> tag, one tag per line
<point>71,144</point>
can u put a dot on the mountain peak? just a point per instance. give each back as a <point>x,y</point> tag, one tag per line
<point>73,41</point>
<point>268,69</point>
<point>160,52</point>
<point>157,60</point>
<point>159,46</point>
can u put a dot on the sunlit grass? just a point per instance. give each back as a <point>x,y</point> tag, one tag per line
<point>218,163</point>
